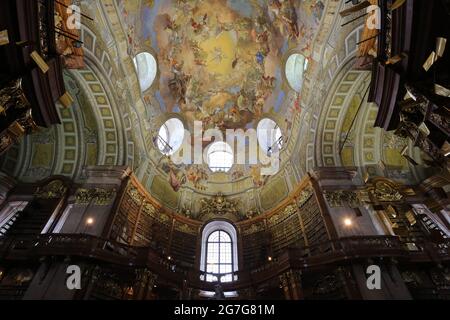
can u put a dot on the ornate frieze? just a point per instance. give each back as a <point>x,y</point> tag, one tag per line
<point>304,196</point>
<point>135,195</point>
<point>96,196</point>
<point>187,229</point>
<point>16,130</point>
<point>254,228</point>
<point>13,96</point>
<point>288,211</point>
<point>385,192</point>
<point>218,206</point>
<point>54,190</point>
<point>149,209</point>
<point>343,198</point>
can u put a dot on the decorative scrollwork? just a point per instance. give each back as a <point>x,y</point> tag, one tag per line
<point>54,190</point>
<point>135,195</point>
<point>343,198</point>
<point>13,96</point>
<point>149,209</point>
<point>97,196</point>
<point>304,196</point>
<point>187,229</point>
<point>218,206</point>
<point>385,192</point>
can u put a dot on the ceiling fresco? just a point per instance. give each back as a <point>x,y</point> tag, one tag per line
<point>221,62</point>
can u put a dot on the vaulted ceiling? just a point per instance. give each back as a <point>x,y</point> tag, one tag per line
<point>222,63</point>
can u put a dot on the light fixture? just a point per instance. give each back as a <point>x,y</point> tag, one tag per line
<point>270,259</point>
<point>169,258</point>
<point>90,221</point>
<point>348,222</point>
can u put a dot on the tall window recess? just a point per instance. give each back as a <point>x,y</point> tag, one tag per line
<point>219,258</point>
<point>9,214</point>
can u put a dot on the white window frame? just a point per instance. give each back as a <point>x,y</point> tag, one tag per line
<point>207,231</point>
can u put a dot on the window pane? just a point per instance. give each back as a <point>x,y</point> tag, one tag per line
<point>220,157</point>
<point>214,237</point>
<point>224,237</point>
<point>213,253</point>
<point>226,268</point>
<point>219,256</point>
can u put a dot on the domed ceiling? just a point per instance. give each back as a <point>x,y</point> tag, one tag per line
<point>229,64</point>
<point>222,63</point>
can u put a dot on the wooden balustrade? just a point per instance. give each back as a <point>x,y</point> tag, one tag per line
<point>338,250</point>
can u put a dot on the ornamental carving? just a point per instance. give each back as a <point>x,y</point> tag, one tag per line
<point>343,198</point>
<point>23,125</point>
<point>441,121</point>
<point>6,140</point>
<point>252,213</point>
<point>411,278</point>
<point>135,195</point>
<point>326,284</point>
<point>254,228</point>
<point>54,190</point>
<point>187,229</point>
<point>385,192</point>
<point>304,196</point>
<point>149,209</point>
<point>27,122</point>
<point>97,196</point>
<point>218,206</point>
<point>287,212</point>
<point>13,96</point>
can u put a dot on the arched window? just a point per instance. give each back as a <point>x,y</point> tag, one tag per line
<point>219,256</point>
<point>170,136</point>
<point>220,157</point>
<point>296,66</point>
<point>146,68</point>
<point>219,252</point>
<point>270,137</point>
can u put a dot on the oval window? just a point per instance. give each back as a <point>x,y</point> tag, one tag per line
<point>270,137</point>
<point>296,66</point>
<point>146,68</point>
<point>170,136</point>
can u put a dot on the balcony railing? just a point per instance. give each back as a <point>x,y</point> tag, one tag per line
<point>329,252</point>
